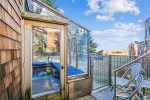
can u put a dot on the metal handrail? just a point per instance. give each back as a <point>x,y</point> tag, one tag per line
<point>123,66</point>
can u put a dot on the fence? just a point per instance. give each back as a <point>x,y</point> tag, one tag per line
<point>103,66</point>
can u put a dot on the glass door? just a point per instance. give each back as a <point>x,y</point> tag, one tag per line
<point>45,60</point>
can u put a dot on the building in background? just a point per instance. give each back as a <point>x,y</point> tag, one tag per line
<point>142,47</point>
<point>113,52</point>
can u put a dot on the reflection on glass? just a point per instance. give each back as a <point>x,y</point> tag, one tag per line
<point>148,31</point>
<point>33,7</point>
<point>78,48</point>
<point>46,55</point>
<point>82,50</point>
<point>46,44</point>
<point>72,40</point>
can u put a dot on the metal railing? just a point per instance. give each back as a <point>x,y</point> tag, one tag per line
<point>103,66</point>
<point>144,60</point>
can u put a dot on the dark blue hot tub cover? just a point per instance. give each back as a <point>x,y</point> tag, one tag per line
<point>71,70</point>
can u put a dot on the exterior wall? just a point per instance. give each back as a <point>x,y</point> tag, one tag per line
<point>10,49</point>
<point>80,88</point>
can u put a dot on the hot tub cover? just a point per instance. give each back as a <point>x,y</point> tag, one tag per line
<point>71,70</point>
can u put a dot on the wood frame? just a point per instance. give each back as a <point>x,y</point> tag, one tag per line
<point>27,54</point>
<point>36,20</point>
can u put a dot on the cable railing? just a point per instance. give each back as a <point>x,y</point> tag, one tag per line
<point>144,60</point>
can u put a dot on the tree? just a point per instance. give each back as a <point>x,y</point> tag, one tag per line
<point>50,3</point>
<point>38,43</point>
<point>92,45</point>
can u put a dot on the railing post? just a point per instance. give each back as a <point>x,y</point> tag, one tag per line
<point>115,85</point>
<point>109,70</point>
<point>91,66</point>
<point>91,69</point>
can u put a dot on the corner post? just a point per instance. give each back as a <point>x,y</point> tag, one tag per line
<point>109,70</point>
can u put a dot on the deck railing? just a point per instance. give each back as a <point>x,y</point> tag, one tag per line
<point>144,60</point>
<point>103,66</point>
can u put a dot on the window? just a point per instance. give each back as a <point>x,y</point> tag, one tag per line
<point>78,51</point>
<point>46,60</point>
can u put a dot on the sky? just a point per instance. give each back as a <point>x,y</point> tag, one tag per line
<point>113,23</point>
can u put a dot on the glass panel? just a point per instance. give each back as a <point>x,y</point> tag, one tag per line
<point>148,31</point>
<point>82,50</point>
<point>78,50</point>
<point>72,46</point>
<point>31,6</point>
<point>46,60</point>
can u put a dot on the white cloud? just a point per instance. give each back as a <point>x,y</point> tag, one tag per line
<point>94,6</point>
<point>104,18</point>
<point>115,6</point>
<point>140,21</point>
<point>111,7</point>
<point>119,36</point>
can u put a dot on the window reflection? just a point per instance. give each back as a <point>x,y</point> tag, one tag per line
<point>46,59</point>
<point>72,46</point>
<point>82,50</point>
<point>31,6</point>
<point>78,48</point>
<point>46,44</point>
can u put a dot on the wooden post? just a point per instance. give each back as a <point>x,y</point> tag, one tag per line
<point>77,48</point>
<point>26,61</point>
<point>66,94</point>
<point>89,70</point>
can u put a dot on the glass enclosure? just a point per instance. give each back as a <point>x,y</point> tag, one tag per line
<point>46,51</point>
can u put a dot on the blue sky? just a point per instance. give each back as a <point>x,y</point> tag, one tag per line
<point>113,23</point>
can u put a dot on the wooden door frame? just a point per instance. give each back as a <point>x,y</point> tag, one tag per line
<point>27,55</point>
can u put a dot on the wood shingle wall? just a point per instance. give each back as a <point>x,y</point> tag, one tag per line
<point>10,49</point>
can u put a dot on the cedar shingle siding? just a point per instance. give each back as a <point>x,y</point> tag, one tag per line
<point>10,49</point>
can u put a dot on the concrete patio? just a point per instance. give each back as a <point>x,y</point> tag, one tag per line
<point>100,94</point>
<point>103,94</point>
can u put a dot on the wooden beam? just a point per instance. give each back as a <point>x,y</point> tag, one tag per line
<point>42,18</point>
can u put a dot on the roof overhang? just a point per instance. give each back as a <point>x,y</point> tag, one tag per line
<point>49,19</point>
